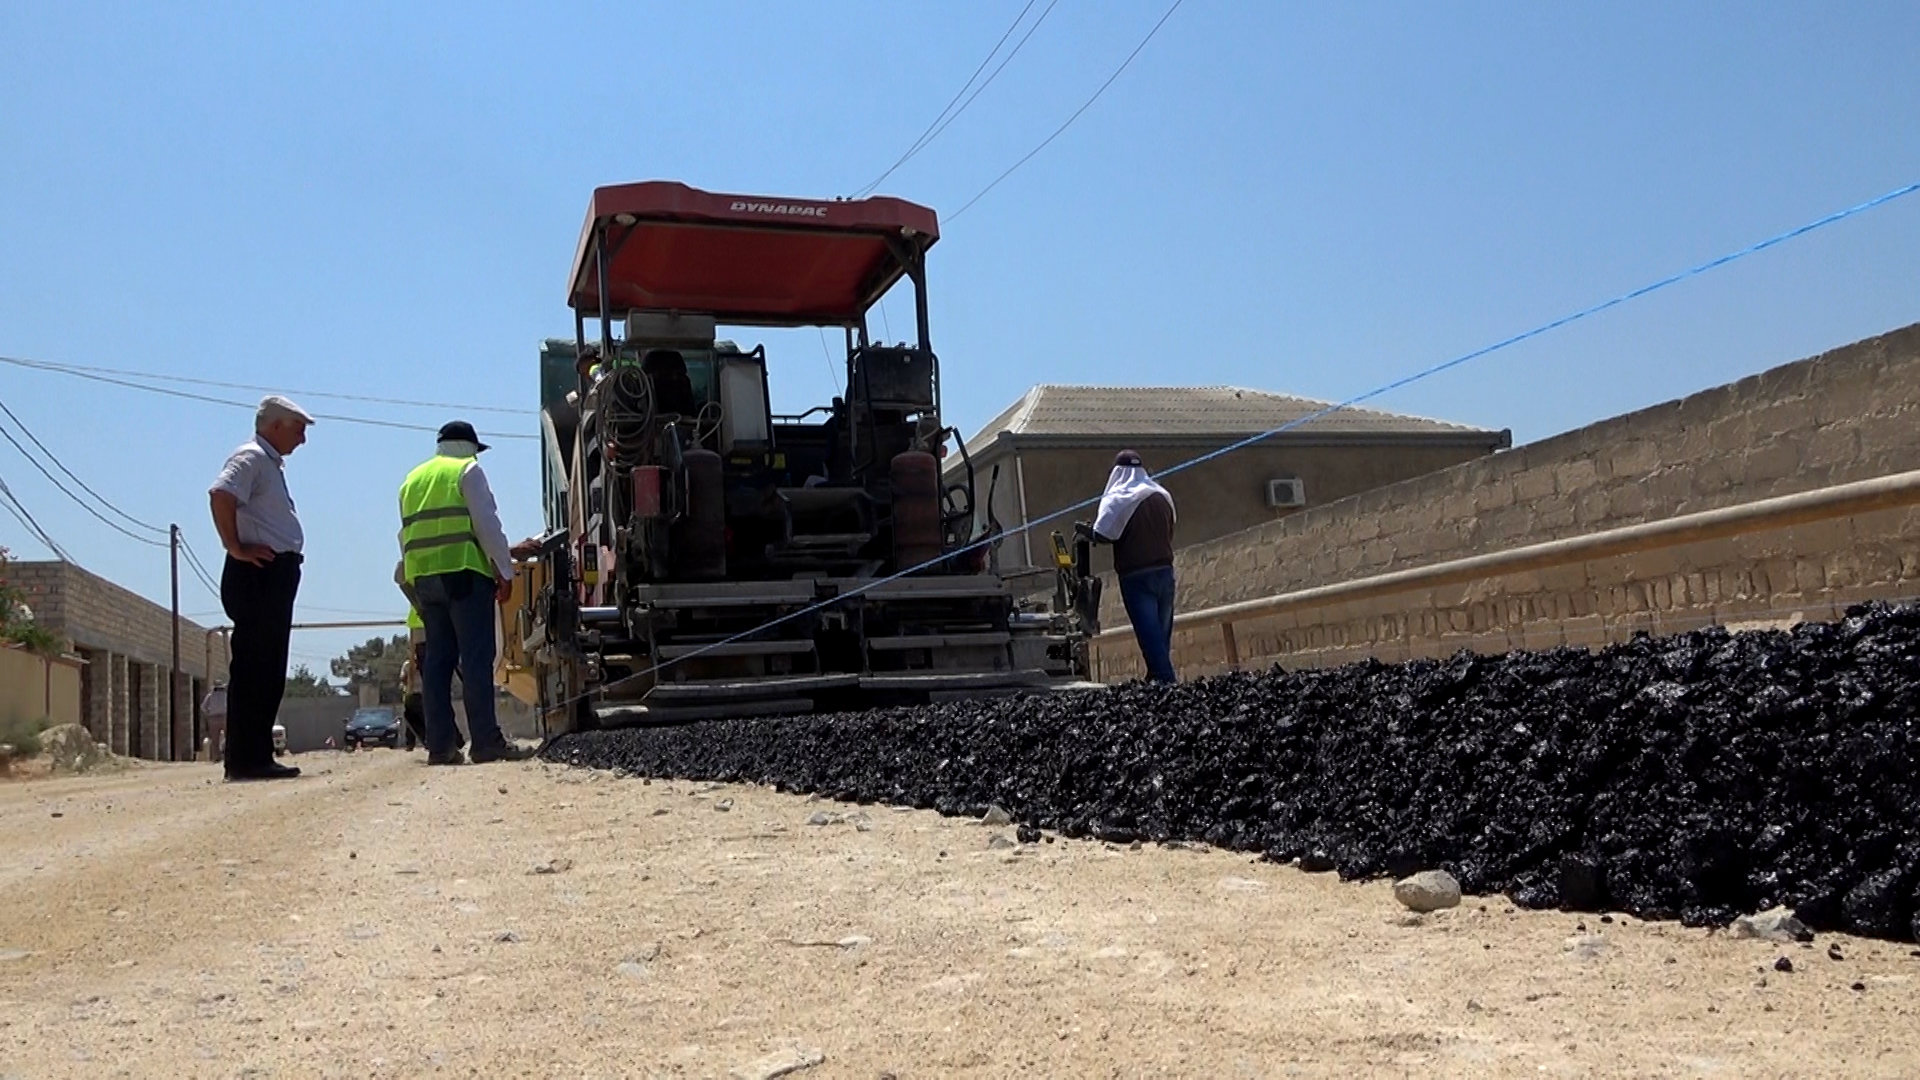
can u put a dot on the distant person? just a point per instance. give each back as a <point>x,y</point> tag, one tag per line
<point>213,710</point>
<point>1136,517</point>
<point>455,558</point>
<point>213,718</point>
<point>254,515</point>
<point>413,712</point>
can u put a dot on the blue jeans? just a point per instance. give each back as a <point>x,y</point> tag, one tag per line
<point>458,610</point>
<point>1148,595</point>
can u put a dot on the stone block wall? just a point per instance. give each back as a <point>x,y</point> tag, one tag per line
<point>96,614</point>
<point>1849,414</point>
<point>150,712</point>
<point>128,642</point>
<point>123,698</point>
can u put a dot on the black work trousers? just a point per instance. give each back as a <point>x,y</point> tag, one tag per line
<point>259,603</point>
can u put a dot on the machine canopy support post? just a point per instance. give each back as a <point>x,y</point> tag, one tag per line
<point>606,318</point>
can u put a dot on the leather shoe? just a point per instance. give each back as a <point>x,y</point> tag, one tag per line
<point>272,770</point>
<point>451,757</point>
<point>503,752</point>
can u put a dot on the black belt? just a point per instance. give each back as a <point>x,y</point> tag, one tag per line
<point>291,558</point>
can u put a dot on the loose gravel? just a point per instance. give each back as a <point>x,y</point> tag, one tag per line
<point>1699,777</point>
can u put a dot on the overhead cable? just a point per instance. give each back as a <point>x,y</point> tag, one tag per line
<point>33,527</point>
<point>51,456</point>
<point>1076,113</point>
<point>61,369</point>
<point>942,125</point>
<point>76,368</point>
<point>199,568</point>
<point>84,504</point>
<point>927,134</point>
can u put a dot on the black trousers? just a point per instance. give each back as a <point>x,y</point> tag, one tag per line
<point>259,603</point>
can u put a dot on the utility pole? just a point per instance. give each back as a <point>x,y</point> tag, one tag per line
<point>173,680</point>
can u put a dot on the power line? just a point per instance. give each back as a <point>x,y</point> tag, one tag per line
<point>282,390</point>
<point>61,369</point>
<point>1076,113</point>
<point>1048,10</point>
<point>32,526</point>
<point>51,456</point>
<point>68,492</point>
<point>833,376</point>
<point>937,126</point>
<point>199,569</point>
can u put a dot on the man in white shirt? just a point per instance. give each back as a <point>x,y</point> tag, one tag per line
<point>213,711</point>
<point>456,560</point>
<point>254,515</point>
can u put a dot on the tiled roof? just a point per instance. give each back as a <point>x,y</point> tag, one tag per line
<point>1199,412</point>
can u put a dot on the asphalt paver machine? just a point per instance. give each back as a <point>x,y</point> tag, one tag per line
<point>705,557</point>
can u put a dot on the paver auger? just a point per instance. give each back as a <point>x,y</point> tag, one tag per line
<point>704,557</point>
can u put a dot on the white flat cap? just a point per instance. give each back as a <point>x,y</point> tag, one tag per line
<point>274,407</point>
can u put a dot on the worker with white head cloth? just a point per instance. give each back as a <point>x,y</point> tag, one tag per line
<point>1136,516</point>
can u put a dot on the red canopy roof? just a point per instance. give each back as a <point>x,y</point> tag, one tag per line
<point>745,259</point>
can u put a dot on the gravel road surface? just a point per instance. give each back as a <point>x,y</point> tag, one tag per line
<point>377,918</point>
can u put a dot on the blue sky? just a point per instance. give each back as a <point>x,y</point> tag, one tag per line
<point>382,199</point>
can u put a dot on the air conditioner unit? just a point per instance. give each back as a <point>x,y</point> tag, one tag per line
<point>1285,493</point>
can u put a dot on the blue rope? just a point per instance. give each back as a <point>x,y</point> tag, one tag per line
<point>1407,380</point>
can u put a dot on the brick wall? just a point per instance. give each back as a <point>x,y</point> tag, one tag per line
<point>96,614</point>
<point>1849,414</point>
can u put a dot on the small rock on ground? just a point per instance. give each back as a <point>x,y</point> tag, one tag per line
<point>999,842</point>
<point>1429,890</point>
<point>1587,946</point>
<point>996,817</point>
<point>1774,924</point>
<point>780,1063</point>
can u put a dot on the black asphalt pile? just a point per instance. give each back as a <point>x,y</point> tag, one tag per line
<point>1701,776</point>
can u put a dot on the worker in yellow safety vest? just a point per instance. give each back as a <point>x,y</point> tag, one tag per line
<point>455,559</point>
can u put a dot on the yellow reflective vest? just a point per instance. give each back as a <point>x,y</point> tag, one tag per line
<point>436,531</point>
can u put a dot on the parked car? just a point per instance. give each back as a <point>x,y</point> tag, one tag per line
<point>375,725</point>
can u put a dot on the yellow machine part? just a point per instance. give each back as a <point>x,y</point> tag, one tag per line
<point>1062,558</point>
<point>516,671</point>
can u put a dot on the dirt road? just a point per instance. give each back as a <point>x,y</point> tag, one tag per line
<point>376,918</point>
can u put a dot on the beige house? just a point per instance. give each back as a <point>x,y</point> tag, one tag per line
<point>126,641</point>
<point>1054,447</point>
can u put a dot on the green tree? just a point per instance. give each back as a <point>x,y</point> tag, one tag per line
<point>303,683</point>
<point>374,663</point>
